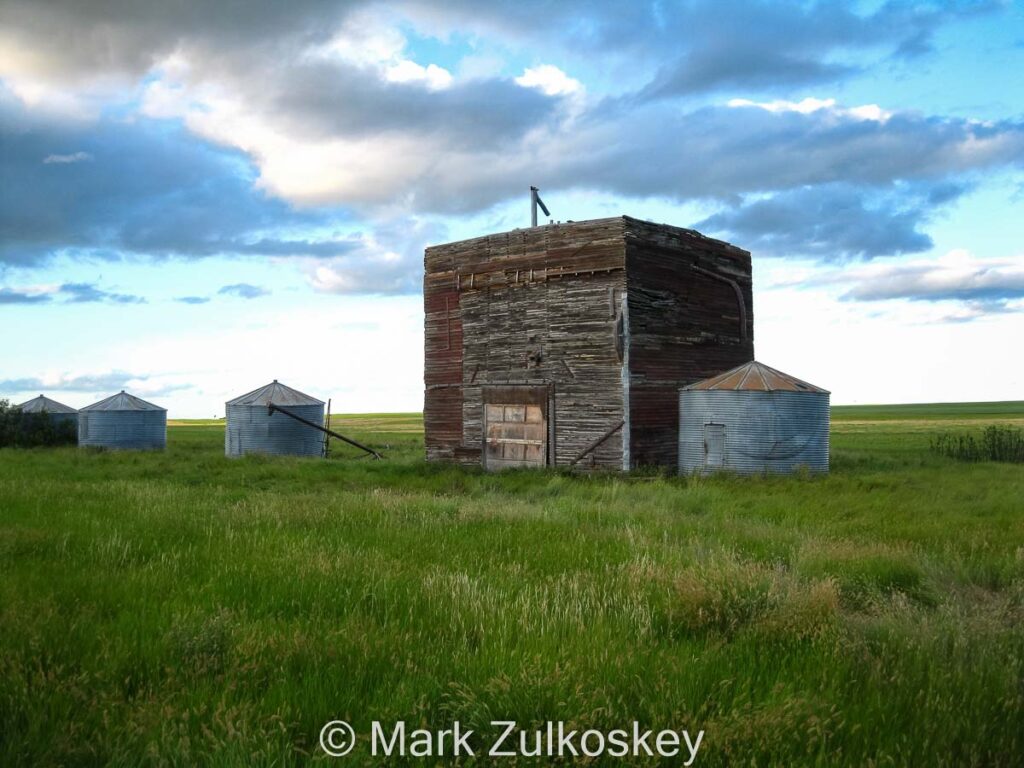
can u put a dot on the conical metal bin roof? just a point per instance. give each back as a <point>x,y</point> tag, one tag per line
<point>275,393</point>
<point>122,401</point>
<point>43,403</point>
<point>754,377</point>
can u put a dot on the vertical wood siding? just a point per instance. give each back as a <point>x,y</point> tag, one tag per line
<point>534,307</point>
<point>686,323</point>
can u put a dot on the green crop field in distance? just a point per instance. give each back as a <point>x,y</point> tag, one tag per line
<point>182,608</point>
<point>994,412</point>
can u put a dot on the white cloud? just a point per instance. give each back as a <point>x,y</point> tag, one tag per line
<point>304,171</point>
<point>406,71</point>
<point>368,169</point>
<point>164,99</point>
<point>75,157</point>
<point>806,106</point>
<point>809,105</point>
<point>367,42</point>
<point>37,289</point>
<point>364,41</point>
<point>549,80</point>
<point>869,112</point>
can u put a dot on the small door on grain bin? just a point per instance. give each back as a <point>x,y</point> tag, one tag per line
<point>714,445</point>
<point>515,433</point>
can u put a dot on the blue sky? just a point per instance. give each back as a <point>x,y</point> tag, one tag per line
<point>195,201</point>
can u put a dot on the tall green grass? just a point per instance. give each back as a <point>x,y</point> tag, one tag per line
<point>993,443</point>
<point>181,608</point>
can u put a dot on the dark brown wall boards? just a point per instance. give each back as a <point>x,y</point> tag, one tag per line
<point>566,344</point>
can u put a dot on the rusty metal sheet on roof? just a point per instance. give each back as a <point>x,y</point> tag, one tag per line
<point>755,377</point>
<point>122,401</point>
<point>277,394</point>
<point>43,403</point>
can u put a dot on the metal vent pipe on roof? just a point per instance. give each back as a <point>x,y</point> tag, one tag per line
<point>534,202</point>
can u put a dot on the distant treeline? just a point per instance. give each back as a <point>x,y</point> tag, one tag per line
<point>25,430</point>
<point>996,443</point>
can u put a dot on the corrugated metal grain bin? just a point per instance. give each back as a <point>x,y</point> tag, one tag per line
<point>58,412</point>
<point>253,428</point>
<point>753,419</point>
<point>125,422</point>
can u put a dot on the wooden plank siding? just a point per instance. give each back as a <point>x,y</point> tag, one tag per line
<point>543,308</point>
<point>686,323</point>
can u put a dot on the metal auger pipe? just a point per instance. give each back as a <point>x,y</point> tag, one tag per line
<point>271,408</point>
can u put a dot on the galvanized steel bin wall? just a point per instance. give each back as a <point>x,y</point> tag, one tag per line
<point>130,430</point>
<point>251,429</point>
<point>750,432</point>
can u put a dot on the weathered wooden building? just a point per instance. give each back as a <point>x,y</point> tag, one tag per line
<point>567,343</point>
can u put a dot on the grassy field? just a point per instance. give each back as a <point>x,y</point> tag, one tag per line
<point>180,608</point>
<point>1005,411</point>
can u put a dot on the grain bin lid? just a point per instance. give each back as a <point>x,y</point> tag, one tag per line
<point>122,401</point>
<point>755,377</point>
<point>43,403</point>
<point>275,393</point>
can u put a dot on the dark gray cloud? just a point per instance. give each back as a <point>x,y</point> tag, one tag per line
<point>8,296</point>
<point>323,99</point>
<point>833,222</point>
<point>129,36</point>
<point>710,45</point>
<point>264,58</point>
<point>81,293</point>
<point>972,286</point>
<point>69,293</point>
<point>753,45</point>
<point>724,151</point>
<point>154,190</point>
<point>151,189</point>
<point>744,70</point>
<point>78,39</point>
<point>243,291</point>
<point>475,126</point>
<point>980,282</point>
<point>263,52</point>
<point>111,381</point>
<point>717,152</point>
<point>115,188</point>
<point>975,310</point>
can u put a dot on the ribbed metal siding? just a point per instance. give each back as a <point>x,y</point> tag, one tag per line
<point>132,430</point>
<point>764,431</point>
<point>250,429</point>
